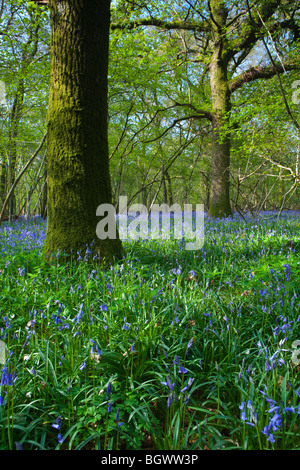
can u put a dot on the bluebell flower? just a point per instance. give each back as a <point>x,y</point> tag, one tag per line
<point>169,400</point>
<point>186,399</point>
<point>289,408</point>
<point>271,437</point>
<point>242,408</point>
<point>6,378</point>
<point>79,315</point>
<point>126,325</point>
<point>190,382</point>
<point>108,390</point>
<point>21,271</point>
<point>119,423</point>
<point>182,370</point>
<point>169,383</point>
<point>58,423</point>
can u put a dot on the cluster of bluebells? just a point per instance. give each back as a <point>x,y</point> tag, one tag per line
<point>109,405</point>
<point>4,331</point>
<point>184,391</point>
<point>252,414</point>
<point>275,414</point>
<point>58,425</point>
<point>95,349</point>
<point>27,235</point>
<point>7,380</point>
<point>273,361</point>
<point>273,295</point>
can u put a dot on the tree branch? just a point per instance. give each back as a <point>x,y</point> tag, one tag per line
<point>20,176</point>
<point>176,121</point>
<point>168,25</point>
<point>255,73</point>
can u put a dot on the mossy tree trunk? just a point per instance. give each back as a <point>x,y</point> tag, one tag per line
<point>78,178</point>
<point>219,200</point>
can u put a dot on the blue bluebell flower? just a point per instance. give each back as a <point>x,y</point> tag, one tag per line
<point>79,315</point>
<point>182,369</point>
<point>117,418</point>
<point>6,378</point>
<point>58,423</point>
<point>190,382</point>
<point>169,400</point>
<point>169,383</point>
<point>108,390</point>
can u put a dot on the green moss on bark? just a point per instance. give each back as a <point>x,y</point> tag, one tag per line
<point>78,178</point>
<point>219,204</point>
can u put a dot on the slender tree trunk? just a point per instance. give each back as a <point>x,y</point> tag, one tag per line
<point>3,181</point>
<point>13,135</point>
<point>78,179</point>
<point>219,204</point>
<point>170,191</point>
<point>43,200</point>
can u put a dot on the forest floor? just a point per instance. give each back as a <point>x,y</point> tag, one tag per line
<point>167,349</point>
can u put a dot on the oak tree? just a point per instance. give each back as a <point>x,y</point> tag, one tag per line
<point>78,178</point>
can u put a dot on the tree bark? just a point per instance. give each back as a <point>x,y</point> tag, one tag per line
<point>78,178</point>
<point>13,135</point>
<point>219,201</point>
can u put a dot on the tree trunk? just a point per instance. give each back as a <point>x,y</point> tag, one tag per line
<point>78,178</point>
<point>43,200</point>
<point>219,198</point>
<point>3,181</point>
<point>219,204</point>
<point>13,148</point>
